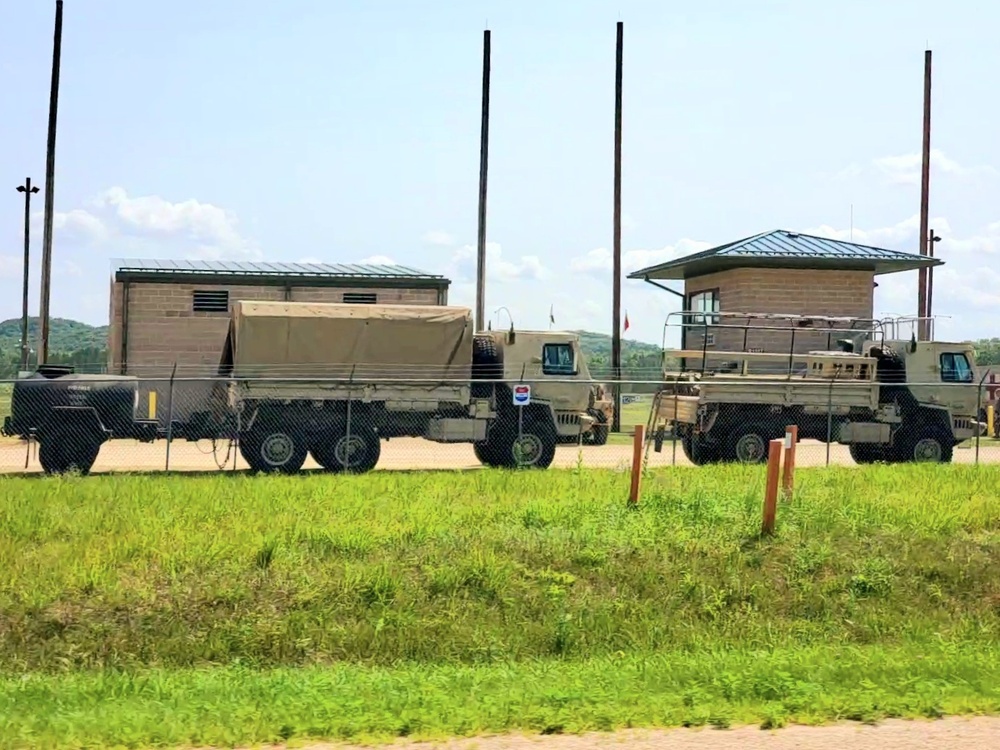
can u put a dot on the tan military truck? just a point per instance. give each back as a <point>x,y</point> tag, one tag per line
<point>888,400</point>
<point>334,380</point>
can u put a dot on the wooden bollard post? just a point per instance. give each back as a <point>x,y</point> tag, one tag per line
<point>788,467</point>
<point>637,442</point>
<point>771,490</point>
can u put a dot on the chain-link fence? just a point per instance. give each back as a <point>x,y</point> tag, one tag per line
<point>102,423</point>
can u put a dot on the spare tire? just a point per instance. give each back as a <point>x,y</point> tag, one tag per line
<point>487,364</point>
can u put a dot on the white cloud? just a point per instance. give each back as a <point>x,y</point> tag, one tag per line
<point>498,268</point>
<point>188,228</point>
<point>438,237</point>
<point>379,260</point>
<point>600,261</point>
<point>904,169</point>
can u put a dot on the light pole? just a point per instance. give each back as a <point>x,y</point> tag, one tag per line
<point>27,188</point>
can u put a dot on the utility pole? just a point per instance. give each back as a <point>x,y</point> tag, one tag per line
<point>616,294</point>
<point>925,181</point>
<point>484,143</point>
<point>931,239</point>
<point>50,170</point>
<point>28,189</point>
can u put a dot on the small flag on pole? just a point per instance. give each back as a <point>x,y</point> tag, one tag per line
<point>626,320</point>
<point>552,316</point>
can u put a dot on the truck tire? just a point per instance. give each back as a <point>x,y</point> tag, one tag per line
<point>700,452</point>
<point>598,434</point>
<point>486,365</point>
<point>65,450</point>
<point>867,453</point>
<point>928,444</point>
<point>273,447</point>
<point>748,444</point>
<point>533,448</point>
<point>357,453</point>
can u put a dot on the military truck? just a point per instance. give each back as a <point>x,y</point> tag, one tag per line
<point>332,381</point>
<point>889,400</point>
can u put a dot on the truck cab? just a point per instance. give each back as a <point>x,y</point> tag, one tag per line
<point>554,365</point>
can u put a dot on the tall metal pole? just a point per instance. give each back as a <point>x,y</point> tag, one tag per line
<point>925,180</point>
<point>50,169</point>
<point>28,189</point>
<point>616,296</point>
<point>484,138</point>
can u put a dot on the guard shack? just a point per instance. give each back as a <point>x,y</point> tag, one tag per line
<point>786,274</point>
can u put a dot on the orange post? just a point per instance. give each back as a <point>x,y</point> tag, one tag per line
<point>788,468</point>
<point>637,441</point>
<point>771,491</point>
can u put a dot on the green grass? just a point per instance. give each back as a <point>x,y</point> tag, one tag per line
<point>232,609</point>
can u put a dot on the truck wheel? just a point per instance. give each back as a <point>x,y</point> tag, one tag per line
<point>277,449</point>
<point>487,454</point>
<point>598,434</point>
<point>356,453</point>
<point>867,453</point>
<point>64,451</point>
<point>699,452</point>
<point>929,445</point>
<point>749,444</point>
<point>533,448</point>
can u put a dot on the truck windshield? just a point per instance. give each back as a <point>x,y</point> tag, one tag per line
<point>955,368</point>
<point>557,359</point>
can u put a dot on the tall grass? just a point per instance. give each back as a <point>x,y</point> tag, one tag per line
<point>137,585</point>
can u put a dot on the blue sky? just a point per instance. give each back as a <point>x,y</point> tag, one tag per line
<point>342,131</point>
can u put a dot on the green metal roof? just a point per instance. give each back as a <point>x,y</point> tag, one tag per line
<point>353,274</point>
<point>784,249</point>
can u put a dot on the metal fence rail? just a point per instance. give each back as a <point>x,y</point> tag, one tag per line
<point>422,421</point>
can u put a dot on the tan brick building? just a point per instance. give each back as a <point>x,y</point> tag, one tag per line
<point>776,273</point>
<point>166,313</point>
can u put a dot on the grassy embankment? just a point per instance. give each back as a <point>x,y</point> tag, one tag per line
<point>231,609</point>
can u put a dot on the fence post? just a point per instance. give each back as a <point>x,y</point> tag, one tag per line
<point>637,442</point>
<point>979,406</point>
<point>788,469</point>
<point>170,415</point>
<point>771,489</point>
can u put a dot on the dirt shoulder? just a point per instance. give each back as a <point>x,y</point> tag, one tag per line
<point>951,733</point>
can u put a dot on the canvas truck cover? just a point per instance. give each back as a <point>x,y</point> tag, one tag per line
<point>361,342</point>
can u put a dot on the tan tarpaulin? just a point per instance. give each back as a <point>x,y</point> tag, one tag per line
<point>301,339</point>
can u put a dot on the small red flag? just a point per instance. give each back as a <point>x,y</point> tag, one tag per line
<point>626,320</point>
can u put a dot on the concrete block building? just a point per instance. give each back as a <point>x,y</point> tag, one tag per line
<point>779,273</point>
<point>176,312</point>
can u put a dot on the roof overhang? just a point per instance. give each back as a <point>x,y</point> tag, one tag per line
<point>679,270</point>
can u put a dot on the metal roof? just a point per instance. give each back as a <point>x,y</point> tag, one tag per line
<point>257,273</point>
<point>784,249</point>
<point>246,268</point>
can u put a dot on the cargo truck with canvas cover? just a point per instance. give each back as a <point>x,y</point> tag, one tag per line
<point>887,398</point>
<point>333,380</point>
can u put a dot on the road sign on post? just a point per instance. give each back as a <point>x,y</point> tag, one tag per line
<point>522,394</point>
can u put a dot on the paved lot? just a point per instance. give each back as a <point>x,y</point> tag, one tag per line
<point>945,734</point>
<point>407,454</point>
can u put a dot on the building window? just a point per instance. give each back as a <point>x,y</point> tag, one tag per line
<point>210,300</point>
<point>557,359</point>
<point>955,368</point>
<point>360,298</point>
<point>704,302</point>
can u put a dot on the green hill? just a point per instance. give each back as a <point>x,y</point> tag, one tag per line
<point>70,342</point>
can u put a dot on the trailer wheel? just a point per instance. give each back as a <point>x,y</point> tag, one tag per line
<point>63,450</point>
<point>273,449</point>
<point>699,451</point>
<point>357,453</point>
